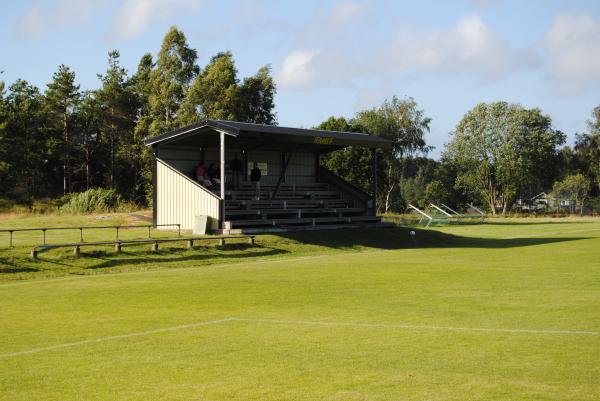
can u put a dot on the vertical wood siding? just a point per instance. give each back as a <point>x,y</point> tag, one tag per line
<point>179,199</point>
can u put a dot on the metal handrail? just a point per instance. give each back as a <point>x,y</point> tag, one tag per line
<point>10,231</point>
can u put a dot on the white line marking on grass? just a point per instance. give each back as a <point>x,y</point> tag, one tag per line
<point>553,233</point>
<point>414,326</point>
<point>117,337</point>
<point>297,322</point>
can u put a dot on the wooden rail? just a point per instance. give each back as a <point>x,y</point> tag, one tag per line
<point>118,244</point>
<point>81,228</point>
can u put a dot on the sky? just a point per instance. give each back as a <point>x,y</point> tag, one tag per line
<point>337,57</point>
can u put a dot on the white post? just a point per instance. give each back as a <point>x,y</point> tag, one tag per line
<point>443,211</point>
<point>222,134</point>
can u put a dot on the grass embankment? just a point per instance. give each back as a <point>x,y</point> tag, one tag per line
<point>503,311</point>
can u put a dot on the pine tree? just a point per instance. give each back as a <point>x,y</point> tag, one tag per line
<point>4,149</point>
<point>25,142</point>
<point>142,156</point>
<point>118,111</point>
<point>62,99</point>
<point>88,119</point>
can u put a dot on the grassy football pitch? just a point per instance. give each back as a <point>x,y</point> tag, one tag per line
<point>508,310</point>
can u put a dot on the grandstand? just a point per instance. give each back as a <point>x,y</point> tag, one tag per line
<point>296,192</point>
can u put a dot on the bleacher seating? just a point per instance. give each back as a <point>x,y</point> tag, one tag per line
<point>292,207</point>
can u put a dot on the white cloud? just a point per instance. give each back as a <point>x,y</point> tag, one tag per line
<point>33,22</point>
<point>344,12</point>
<point>573,43</point>
<point>40,19</point>
<point>333,25</point>
<point>134,16</point>
<point>470,47</point>
<point>299,69</point>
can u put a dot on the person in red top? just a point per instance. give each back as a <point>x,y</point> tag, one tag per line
<point>200,172</point>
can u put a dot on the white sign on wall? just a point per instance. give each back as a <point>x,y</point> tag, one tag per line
<point>261,166</point>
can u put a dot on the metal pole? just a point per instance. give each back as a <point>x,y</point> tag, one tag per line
<point>222,140</point>
<point>420,211</point>
<point>44,235</point>
<point>374,157</point>
<point>450,209</point>
<point>179,230</point>
<point>443,211</point>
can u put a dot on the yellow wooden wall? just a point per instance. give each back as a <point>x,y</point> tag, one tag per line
<point>179,199</point>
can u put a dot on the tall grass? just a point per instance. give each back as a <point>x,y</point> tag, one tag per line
<point>96,200</point>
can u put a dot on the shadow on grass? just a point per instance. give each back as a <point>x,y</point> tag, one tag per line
<point>399,238</point>
<point>167,255</point>
<point>13,269</point>
<point>7,266</point>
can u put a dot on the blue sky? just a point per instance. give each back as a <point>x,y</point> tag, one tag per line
<point>338,57</point>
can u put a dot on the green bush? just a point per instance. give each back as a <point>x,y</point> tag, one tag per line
<point>96,200</point>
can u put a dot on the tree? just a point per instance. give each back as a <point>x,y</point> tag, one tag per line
<point>89,121</point>
<point>403,123</point>
<point>573,188</point>
<point>169,80</point>
<point>501,149</point>
<point>118,110</point>
<point>62,99</point>
<point>214,93</point>
<point>257,98</point>
<point>587,151</point>
<point>4,142</point>
<point>217,94</point>
<point>142,87</point>
<point>437,193</point>
<point>24,142</point>
<point>349,162</point>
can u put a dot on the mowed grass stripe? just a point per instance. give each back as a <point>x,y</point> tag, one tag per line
<point>357,325</point>
<point>115,337</point>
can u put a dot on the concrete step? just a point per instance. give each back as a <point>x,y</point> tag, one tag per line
<point>287,204</point>
<point>299,213</point>
<point>300,221</point>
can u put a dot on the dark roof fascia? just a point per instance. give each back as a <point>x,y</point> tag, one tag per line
<point>276,129</point>
<point>234,128</point>
<point>189,129</point>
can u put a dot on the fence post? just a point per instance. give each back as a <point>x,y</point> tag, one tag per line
<point>117,227</point>
<point>118,247</point>
<point>179,230</point>
<point>190,243</point>
<point>76,251</point>
<point>221,241</point>
<point>80,234</point>
<point>44,235</point>
<point>10,234</point>
<point>34,253</point>
<point>155,246</point>
<point>149,236</point>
